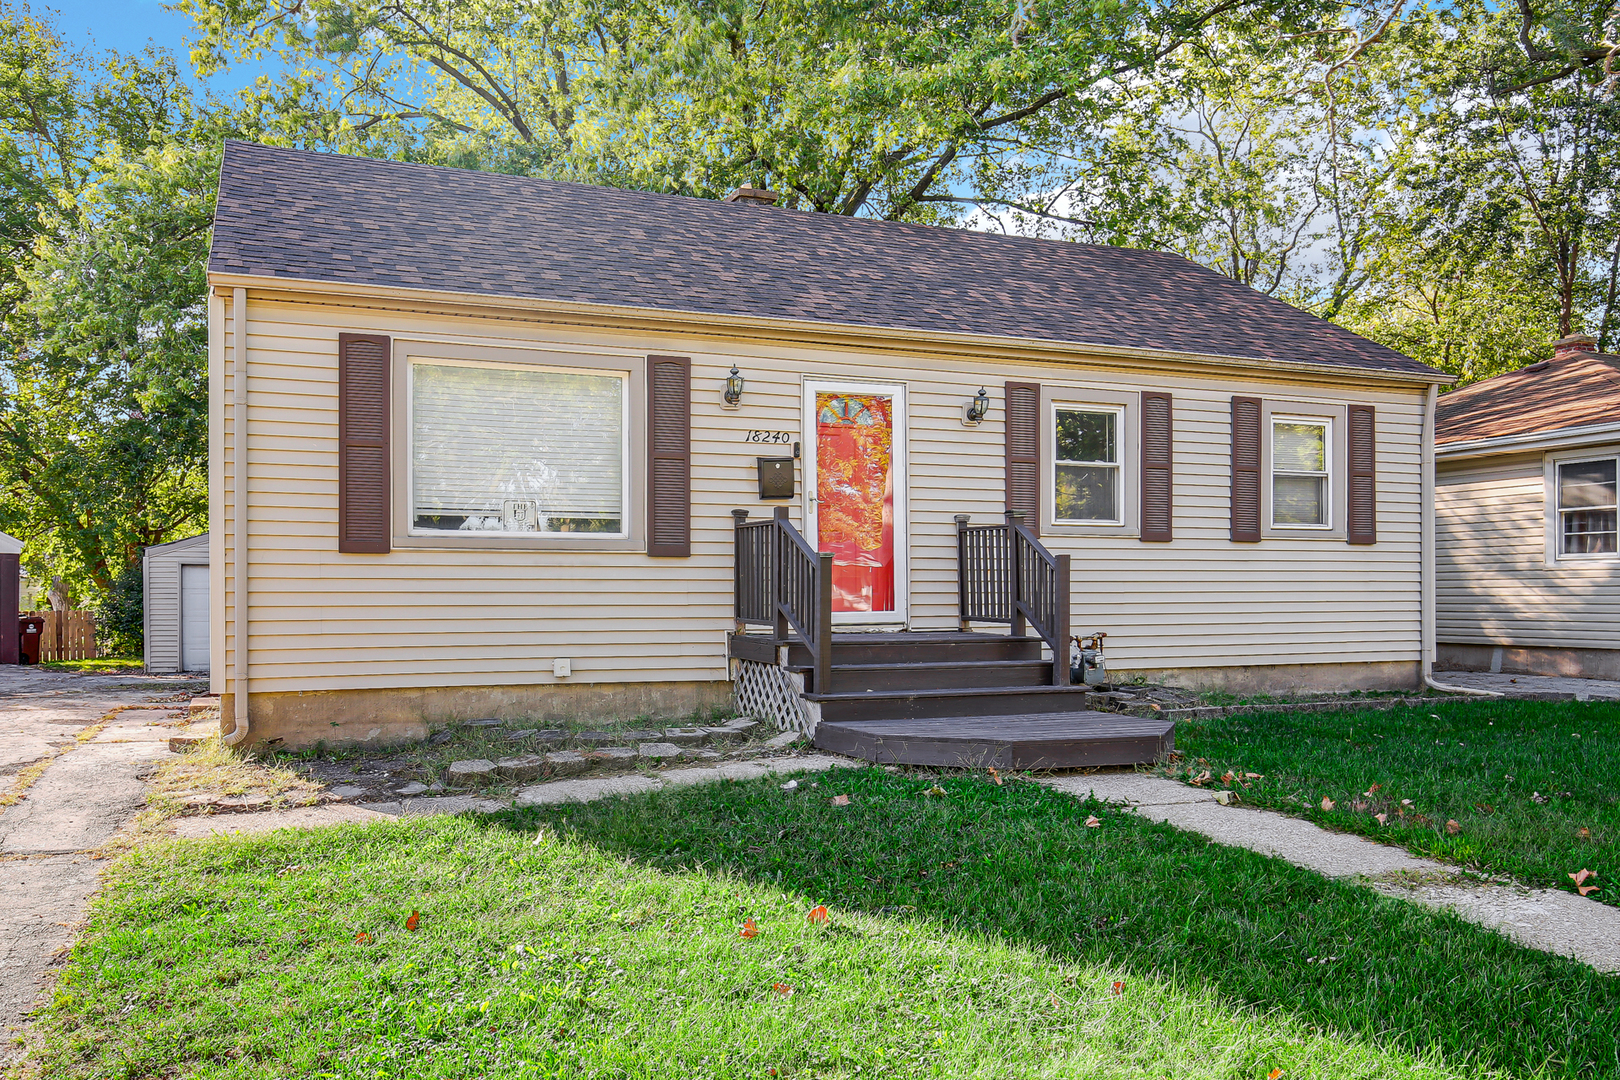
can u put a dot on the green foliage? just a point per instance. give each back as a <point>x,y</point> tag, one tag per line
<point>120,615</point>
<point>103,402</point>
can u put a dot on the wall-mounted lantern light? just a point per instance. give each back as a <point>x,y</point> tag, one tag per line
<point>975,410</point>
<point>734,388</point>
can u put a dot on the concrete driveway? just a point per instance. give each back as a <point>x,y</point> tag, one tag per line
<point>86,793</point>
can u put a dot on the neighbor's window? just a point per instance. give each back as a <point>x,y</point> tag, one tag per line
<point>1586,507</point>
<point>511,449</point>
<point>1299,473</point>
<point>1086,469</point>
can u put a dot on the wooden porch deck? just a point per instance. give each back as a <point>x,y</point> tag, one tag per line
<point>1065,740</point>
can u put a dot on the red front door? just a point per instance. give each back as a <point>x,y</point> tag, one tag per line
<point>855,485</point>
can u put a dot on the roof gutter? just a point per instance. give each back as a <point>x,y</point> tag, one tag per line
<point>797,328</point>
<point>1535,440</point>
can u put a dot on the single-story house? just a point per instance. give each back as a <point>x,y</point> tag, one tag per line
<point>484,445</point>
<point>1527,562</point>
<point>175,624</point>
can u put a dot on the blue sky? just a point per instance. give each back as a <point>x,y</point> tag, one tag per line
<point>125,25</point>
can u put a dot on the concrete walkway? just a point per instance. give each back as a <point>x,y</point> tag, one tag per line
<point>1546,919</point>
<point>552,792</point>
<point>1534,687</point>
<point>86,793</point>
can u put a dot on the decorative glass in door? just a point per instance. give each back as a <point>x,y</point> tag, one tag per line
<point>855,497</point>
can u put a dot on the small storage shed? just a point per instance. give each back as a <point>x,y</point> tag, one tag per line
<point>174,630</point>
<point>10,596</point>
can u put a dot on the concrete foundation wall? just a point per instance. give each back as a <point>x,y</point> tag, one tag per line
<point>1529,660</point>
<point>386,717</point>
<point>1287,678</point>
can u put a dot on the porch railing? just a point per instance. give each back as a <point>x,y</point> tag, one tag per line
<point>784,583</point>
<point>1005,575</point>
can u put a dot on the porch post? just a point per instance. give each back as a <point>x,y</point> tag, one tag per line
<point>962,573</point>
<point>1015,568</point>
<point>779,563</point>
<point>824,628</point>
<point>1060,618</point>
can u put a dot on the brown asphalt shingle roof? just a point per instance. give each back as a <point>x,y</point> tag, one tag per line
<point>1566,392</point>
<point>361,221</point>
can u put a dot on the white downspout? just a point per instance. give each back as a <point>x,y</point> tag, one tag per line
<point>1427,562</point>
<point>239,518</point>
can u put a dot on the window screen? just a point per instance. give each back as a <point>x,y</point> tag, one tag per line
<point>1085,474</point>
<point>516,450</point>
<point>1586,507</point>
<point>1299,473</point>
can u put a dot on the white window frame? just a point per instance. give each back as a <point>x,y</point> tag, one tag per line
<point>1330,495</point>
<point>631,369</point>
<point>1127,404</point>
<point>1555,555</point>
<point>1118,464</point>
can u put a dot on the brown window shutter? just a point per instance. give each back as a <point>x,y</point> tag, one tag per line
<point>1363,526</point>
<point>1158,439</point>
<point>1246,469</point>
<point>1024,452</point>
<point>669,449</point>
<point>364,469</point>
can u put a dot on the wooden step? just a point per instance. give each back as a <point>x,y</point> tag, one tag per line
<point>964,702</point>
<point>923,647</point>
<point>1063,740</point>
<point>947,675</point>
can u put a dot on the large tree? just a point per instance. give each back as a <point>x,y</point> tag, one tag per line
<point>107,188</point>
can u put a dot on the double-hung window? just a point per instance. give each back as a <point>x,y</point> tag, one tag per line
<point>1586,507</point>
<point>1301,476</point>
<point>1086,466</point>
<point>518,449</point>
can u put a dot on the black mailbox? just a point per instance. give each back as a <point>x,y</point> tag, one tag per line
<point>775,477</point>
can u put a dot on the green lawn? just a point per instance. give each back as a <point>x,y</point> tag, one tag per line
<point>106,665</point>
<point>1533,786</point>
<point>979,932</point>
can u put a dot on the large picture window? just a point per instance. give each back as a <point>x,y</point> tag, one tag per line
<point>1086,466</point>
<point>1587,507</point>
<point>1301,487</point>
<point>517,449</point>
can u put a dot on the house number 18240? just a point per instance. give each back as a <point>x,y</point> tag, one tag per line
<point>770,436</point>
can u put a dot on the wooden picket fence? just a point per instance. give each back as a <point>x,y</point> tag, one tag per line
<point>69,635</point>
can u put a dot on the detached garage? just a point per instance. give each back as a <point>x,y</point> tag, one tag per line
<point>175,628</point>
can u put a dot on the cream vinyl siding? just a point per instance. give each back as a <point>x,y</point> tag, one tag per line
<point>1492,582</point>
<point>445,616</point>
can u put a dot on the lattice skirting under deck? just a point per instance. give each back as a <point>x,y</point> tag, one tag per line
<point>769,692</point>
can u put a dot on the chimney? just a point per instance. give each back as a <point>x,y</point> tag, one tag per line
<point>757,196</point>
<point>1574,345</point>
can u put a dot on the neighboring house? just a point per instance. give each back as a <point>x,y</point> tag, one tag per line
<point>174,624</point>
<point>491,464</point>
<point>1529,571</point>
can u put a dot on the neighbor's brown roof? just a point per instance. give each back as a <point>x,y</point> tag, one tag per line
<point>1567,392</point>
<point>361,221</point>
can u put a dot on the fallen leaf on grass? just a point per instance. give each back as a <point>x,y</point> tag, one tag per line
<point>1198,781</point>
<point>414,921</point>
<point>839,800</point>
<point>1226,798</point>
<point>1360,807</point>
<point>817,914</point>
<point>1093,823</point>
<point>1452,828</point>
<point>791,785</point>
<point>362,938</point>
<point>1255,775</point>
<point>1369,791</point>
<point>1382,819</point>
<point>1228,777</point>
<point>782,988</point>
<point>1583,833</point>
<point>935,790</point>
<point>1119,988</point>
<point>994,775</point>
<point>1274,1074</point>
<point>750,928</point>
<point>1327,803</point>
<point>1580,881</point>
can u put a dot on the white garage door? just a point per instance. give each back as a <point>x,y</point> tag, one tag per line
<point>194,618</point>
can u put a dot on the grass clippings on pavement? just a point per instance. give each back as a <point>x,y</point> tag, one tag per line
<point>981,930</point>
<point>1525,789</point>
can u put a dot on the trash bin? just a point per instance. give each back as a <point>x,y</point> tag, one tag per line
<point>31,632</point>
